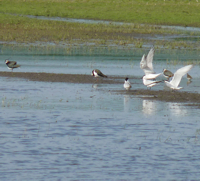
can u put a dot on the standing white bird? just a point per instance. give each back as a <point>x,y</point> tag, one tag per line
<point>127,84</point>
<point>174,83</point>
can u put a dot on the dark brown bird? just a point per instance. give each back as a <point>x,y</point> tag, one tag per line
<point>11,64</point>
<point>97,73</point>
<point>168,74</point>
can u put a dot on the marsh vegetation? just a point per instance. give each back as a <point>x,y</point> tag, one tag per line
<point>142,14</point>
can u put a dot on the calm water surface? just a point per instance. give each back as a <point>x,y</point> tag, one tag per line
<point>65,131</point>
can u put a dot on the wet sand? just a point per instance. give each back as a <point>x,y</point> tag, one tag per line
<point>172,96</point>
<point>162,95</point>
<point>52,77</point>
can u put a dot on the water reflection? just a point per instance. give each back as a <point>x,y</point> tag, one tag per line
<point>149,107</point>
<point>78,122</point>
<point>127,103</point>
<point>189,82</point>
<point>177,109</point>
<point>95,86</point>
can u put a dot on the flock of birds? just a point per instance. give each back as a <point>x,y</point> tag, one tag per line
<point>149,79</point>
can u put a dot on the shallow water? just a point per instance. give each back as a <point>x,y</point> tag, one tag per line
<point>66,131</point>
<point>90,21</point>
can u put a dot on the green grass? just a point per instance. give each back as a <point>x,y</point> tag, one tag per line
<point>168,12</point>
<point>23,29</point>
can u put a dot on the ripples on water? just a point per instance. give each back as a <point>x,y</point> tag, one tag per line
<point>52,131</point>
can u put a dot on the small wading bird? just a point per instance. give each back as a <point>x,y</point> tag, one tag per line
<point>168,74</point>
<point>174,83</point>
<point>127,84</point>
<point>189,77</point>
<point>97,73</point>
<point>147,66</point>
<point>11,64</point>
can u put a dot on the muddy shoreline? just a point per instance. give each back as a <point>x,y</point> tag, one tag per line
<point>162,95</point>
<point>68,78</point>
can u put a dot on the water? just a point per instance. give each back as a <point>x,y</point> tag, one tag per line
<point>66,131</point>
<point>90,21</point>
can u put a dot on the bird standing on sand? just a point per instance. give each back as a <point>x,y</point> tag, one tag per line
<point>168,74</point>
<point>98,73</point>
<point>11,64</point>
<point>189,77</point>
<point>127,84</point>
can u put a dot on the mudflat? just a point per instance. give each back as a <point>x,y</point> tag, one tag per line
<point>163,95</point>
<point>174,96</point>
<point>52,77</point>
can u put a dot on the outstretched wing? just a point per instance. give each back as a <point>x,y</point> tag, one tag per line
<point>143,62</point>
<point>146,62</point>
<point>149,58</point>
<point>179,74</point>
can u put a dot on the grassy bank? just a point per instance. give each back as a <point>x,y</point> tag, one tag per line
<point>168,12</point>
<point>25,30</point>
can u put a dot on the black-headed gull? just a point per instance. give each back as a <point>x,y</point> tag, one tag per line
<point>146,64</point>
<point>174,83</point>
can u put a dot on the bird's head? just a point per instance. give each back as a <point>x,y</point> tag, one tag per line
<point>6,61</point>
<point>92,73</point>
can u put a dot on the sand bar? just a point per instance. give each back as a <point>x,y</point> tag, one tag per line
<point>171,96</point>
